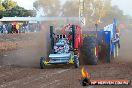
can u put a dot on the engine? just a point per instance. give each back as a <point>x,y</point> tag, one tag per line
<point>61,46</point>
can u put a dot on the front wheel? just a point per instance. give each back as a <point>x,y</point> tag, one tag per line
<point>42,65</point>
<point>76,62</point>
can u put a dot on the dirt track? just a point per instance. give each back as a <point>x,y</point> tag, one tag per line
<point>14,76</point>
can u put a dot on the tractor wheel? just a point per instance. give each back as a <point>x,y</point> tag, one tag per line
<point>42,65</point>
<point>76,62</point>
<point>89,50</point>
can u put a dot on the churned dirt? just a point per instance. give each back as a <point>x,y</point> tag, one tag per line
<point>20,65</point>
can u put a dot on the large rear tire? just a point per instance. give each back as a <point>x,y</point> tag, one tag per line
<point>89,50</point>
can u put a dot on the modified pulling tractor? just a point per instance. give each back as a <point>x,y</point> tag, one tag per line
<point>65,48</point>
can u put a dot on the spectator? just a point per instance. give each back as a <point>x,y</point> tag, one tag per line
<point>9,28</point>
<point>0,28</point>
<point>4,30</point>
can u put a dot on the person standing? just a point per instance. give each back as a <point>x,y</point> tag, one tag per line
<point>118,37</point>
<point>0,29</point>
<point>17,28</point>
<point>9,28</point>
<point>5,29</point>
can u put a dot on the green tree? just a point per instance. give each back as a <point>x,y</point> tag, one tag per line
<point>19,12</point>
<point>1,9</point>
<point>9,4</point>
<point>9,8</point>
<point>1,6</point>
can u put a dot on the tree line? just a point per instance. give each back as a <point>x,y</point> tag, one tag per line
<point>10,8</point>
<point>94,10</point>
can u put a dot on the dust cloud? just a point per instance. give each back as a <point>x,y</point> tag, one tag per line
<point>30,56</point>
<point>125,52</point>
<point>40,44</point>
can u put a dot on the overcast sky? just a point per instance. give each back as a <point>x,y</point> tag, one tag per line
<point>125,5</point>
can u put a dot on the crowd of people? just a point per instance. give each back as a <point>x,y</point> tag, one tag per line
<point>16,28</point>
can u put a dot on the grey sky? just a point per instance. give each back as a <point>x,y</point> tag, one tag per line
<point>125,5</point>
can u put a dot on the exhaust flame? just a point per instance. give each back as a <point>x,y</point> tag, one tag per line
<point>85,74</point>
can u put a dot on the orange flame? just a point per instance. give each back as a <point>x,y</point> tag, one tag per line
<point>85,74</point>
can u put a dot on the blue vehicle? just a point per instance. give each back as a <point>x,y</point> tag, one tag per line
<point>109,40</point>
<point>99,44</point>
